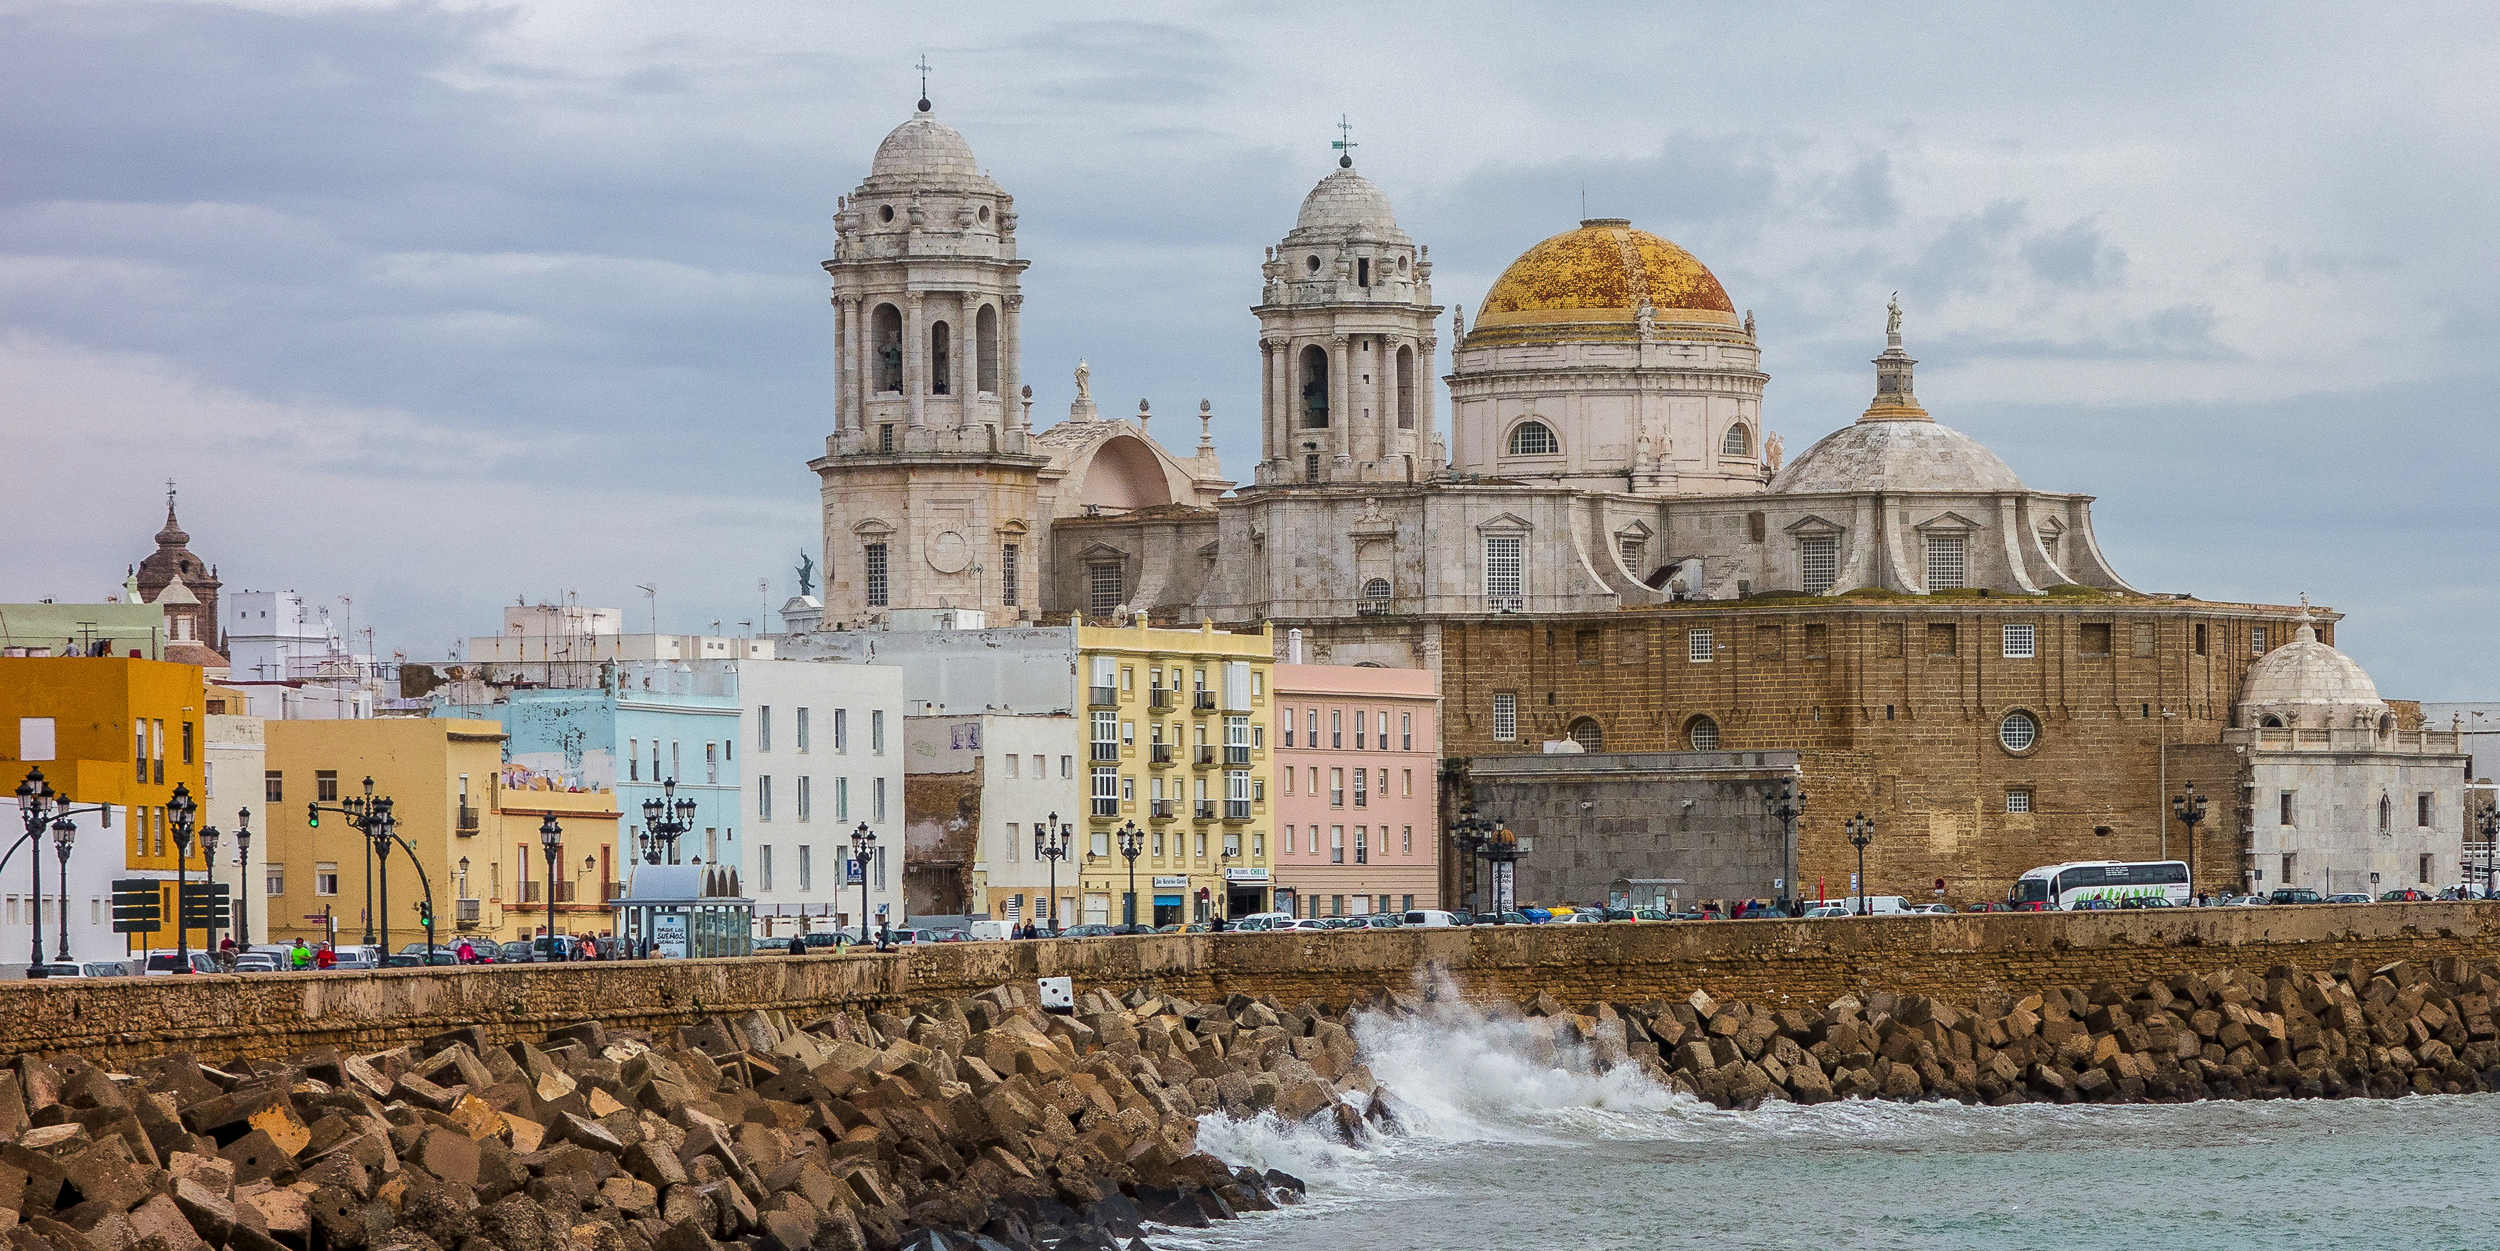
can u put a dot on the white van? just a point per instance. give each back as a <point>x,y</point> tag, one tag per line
<point>985,930</point>
<point>1431,918</point>
<point>1259,922</point>
<point>1879,906</point>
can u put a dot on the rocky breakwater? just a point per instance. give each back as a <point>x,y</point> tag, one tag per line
<point>975,1122</point>
<point>2352,1030</point>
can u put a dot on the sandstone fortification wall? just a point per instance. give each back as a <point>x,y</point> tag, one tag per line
<point>1772,963</point>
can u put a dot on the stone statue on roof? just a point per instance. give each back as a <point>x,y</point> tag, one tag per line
<point>1084,381</point>
<point>807,574</point>
<point>1892,316</point>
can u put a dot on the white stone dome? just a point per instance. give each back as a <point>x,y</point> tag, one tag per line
<point>2309,684</point>
<point>925,145</point>
<point>1896,456</point>
<point>1343,201</point>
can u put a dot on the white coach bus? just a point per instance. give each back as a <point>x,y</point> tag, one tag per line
<point>2058,887</point>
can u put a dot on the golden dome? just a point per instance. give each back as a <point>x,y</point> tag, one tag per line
<point>1599,275</point>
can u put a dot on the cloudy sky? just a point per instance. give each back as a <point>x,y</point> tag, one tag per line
<point>440,305</point>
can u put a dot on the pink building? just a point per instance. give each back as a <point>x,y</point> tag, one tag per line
<point>1355,750</point>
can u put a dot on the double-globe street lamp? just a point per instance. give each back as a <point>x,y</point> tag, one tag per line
<point>665,819</point>
<point>2490,826</point>
<point>864,843</point>
<point>181,812</point>
<point>1132,842</point>
<point>1051,843</point>
<point>1785,807</point>
<point>40,808</point>
<point>1861,832</point>
<point>2189,807</point>
<point>371,816</point>
<point>1470,832</point>
<point>551,841</point>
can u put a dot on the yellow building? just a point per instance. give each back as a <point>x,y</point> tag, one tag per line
<point>110,730</point>
<point>476,838</point>
<point>1176,750</point>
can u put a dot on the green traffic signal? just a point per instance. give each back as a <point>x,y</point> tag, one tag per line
<point>312,814</point>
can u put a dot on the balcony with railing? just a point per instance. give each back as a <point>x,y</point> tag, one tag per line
<point>1236,809</point>
<point>466,820</point>
<point>1105,696</point>
<point>1206,810</point>
<point>1163,754</point>
<point>1206,757</point>
<point>468,910</point>
<point>1203,701</point>
<point>1166,809</point>
<point>1160,699</point>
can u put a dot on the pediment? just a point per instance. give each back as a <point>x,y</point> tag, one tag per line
<point>1097,551</point>
<point>1947,522</point>
<point>1505,522</point>
<point>872,527</point>
<point>1811,525</point>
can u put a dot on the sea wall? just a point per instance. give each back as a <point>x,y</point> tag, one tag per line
<point>1773,963</point>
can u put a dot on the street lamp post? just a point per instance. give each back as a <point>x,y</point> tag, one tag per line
<point>243,867</point>
<point>2491,849</point>
<point>551,841</point>
<point>64,832</point>
<point>1785,807</point>
<point>208,866</point>
<point>2189,807</point>
<point>1501,854</point>
<point>1050,842</point>
<point>664,820</point>
<point>1467,834</point>
<point>370,816</point>
<point>179,811</point>
<point>1861,832</point>
<point>863,841</point>
<point>1132,844</point>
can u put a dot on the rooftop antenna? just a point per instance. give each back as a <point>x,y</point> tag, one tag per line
<point>1345,144</point>
<point>653,592</point>
<point>1584,199</point>
<point>923,67</point>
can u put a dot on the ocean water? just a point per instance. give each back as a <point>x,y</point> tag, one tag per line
<point>1506,1149</point>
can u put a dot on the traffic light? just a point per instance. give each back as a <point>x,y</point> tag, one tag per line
<point>312,814</point>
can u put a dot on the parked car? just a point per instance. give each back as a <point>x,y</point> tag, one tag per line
<point>2244,901</point>
<point>1295,925</point>
<point>2294,895</point>
<point>1089,931</point>
<point>1384,921</point>
<point>1931,910</point>
<point>1259,922</point>
<point>2349,897</point>
<point>169,962</point>
<point>1990,906</point>
<point>2134,902</point>
<point>1825,912</point>
<point>1649,914</point>
<point>1579,918</point>
<point>257,962</point>
<point>1511,918</point>
<point>825,940</point>
<point>1431,919</point>
<point>2405,895</point>
<point>418,959</point>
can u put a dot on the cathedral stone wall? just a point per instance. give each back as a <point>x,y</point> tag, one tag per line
<point>1896,708</point>
<point>1693,823</point>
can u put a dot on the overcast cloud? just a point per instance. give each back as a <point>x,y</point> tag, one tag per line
<point>441,305</point>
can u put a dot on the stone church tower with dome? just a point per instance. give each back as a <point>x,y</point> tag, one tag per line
<point>1605,552</point>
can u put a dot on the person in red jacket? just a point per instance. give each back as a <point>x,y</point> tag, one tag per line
<point>325,958</point>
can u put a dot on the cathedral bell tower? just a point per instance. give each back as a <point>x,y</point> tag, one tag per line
<point>1346,343</point>
<point>929,481</point>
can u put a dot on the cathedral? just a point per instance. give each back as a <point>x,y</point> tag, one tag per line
<point>1607,553</point>
<point>1606,446</point>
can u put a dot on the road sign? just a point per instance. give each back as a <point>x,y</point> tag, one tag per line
<point>137,907</point>
<point>203,908</point>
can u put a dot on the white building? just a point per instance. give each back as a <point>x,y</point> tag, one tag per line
<point>234,773</point>
<point>2342,801</point>
<point>295,663</point>
<point>824,746</point>
<point>985,786</point>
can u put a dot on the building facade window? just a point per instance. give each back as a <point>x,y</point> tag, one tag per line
<point>873,561</point>
<point>1505,578</point>
<point>2283,815</point>
<point>2018,799</point>
<point>2021,640</point>
<point>1533,438</point>
<point>1737,442</point>
<point>325,879</point>
<point>2018,731</point>
<point>1818,562</point>
<point>806,799</point>
<point>274,879</point>
<point>1375,598</point>
<point>1505,717</point>
<point>273,786</point>
<point>2423,809</point>
<point>799,730</point>
<point>1106,793</point>
<point>1702,734</point>
<point>1588,734</point>
<point>1103,588</point>
<point>2257,641</point>
<point>1700,646</point>
<point>763,728</point>
<point>876,731</point>
<point>1944,562</point>
<point>1010,574</point>
<point>764,797</point>
<point>764,866</point>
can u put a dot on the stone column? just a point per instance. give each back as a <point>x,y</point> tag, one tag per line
<point>863,367</point>
<point>1010,309</point>
<point>915,359</point>
<point>967,384</point>
<point>841,364</point>
<point>1274,433</point>
<point>1340,400</point>
<point>1425,374</point>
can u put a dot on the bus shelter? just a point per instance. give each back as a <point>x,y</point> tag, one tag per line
<point>684,912</point>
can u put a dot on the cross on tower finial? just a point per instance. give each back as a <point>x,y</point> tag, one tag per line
<point>169,497</point>
<point>923,67</point>
<point>1345,144</point>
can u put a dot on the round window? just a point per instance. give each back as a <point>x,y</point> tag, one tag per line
<point>1311,263</point>
<point>985,212</point>
<point>2018,731</point>
<point>885,212</point>
<point>1702,734</point>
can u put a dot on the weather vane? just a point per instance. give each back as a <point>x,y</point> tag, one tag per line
<point>923,67</point>
<point>1345,142</point>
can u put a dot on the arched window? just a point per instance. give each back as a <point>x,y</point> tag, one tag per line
<point>2271,722</point>
<point>985,342</point>
<point>1406,388</point>
<point>1314,389</point>
<point>885,335</point>
<point>2386,812</point>
<point>1739,441</point>
<point>1588,734</point>
<point>941,359</point>
<point>1534,438</point>
<point>2018,731</point>
<point>1375,598</point>
<point>1701,734</point>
